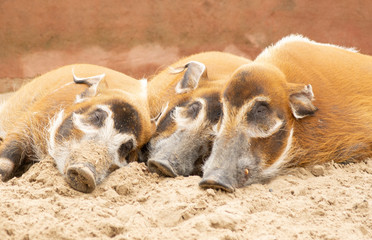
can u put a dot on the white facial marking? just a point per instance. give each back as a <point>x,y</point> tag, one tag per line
<point>54,124</point>
<point>187,123</point>
<point>215,129</point>
<point>258,133</point>
<point>79,124</point>
<point>236,117</point>
<point>250,104</point>
<point>283,158</point>
<point>161,114</point>
<point>106,135</point>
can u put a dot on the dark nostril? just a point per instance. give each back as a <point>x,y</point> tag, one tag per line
<point>216,184</point>
<point>161,167</point>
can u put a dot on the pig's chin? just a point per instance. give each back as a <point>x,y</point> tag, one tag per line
<point>198,165</point>
<point>249,173</point>
<point>205,151</point>
<point>242,181</point>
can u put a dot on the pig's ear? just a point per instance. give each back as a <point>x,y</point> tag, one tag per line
<point>192,75</point>
<point>92,82</point>
<point>300,99</point>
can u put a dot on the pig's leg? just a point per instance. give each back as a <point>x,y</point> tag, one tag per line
<point>11,156</point>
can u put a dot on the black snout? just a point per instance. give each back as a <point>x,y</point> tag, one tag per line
<point>162,167</point>
<point>216,182</point>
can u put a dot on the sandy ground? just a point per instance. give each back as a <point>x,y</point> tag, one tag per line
<point>135,204</point>
<point>323,202</point>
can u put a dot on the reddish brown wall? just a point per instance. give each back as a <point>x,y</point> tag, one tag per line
<point>137,37</point>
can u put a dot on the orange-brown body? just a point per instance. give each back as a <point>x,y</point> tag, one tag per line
<point>54,111</point>
<point>187,100</point>
<point>298,103</point>
<point>219,65</point>
<point>341,128</point>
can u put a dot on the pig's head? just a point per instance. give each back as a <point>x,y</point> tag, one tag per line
<point>184,131</point>
<point>255,137</point>
<point>100,132</point>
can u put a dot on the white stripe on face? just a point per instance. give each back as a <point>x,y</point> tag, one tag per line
<point>188,123</point>
<point>55,123</point>
<point>87,128</point>
<point>283,158</point>
<point>107,136</point>
<point>233,118</point>
<point>161,115</point>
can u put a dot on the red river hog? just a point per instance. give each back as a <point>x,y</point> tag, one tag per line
<point>90,123</point>
<point>298,103</point>
<point>186,98</point>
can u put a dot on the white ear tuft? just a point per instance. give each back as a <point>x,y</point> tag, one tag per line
<point>160,115</point>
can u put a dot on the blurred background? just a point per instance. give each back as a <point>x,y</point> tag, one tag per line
<point>140,37</point>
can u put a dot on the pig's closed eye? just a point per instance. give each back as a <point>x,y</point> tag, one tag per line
<point>125,148</point>
<point>193,110</point>
<point>97,117</point>
<point>261,110</point>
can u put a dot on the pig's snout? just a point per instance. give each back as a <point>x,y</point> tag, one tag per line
<point>81,177</point>
<point>216,181</point>
<point>162,167</point>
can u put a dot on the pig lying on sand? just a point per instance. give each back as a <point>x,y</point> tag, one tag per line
<point>88,125</point>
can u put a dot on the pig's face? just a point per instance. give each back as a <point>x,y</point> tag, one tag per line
<point>255,137</point>
<point>92,138</point>
<point>184,136</point>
